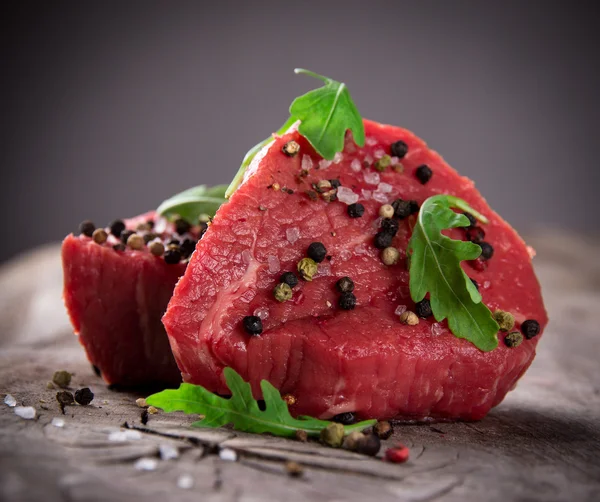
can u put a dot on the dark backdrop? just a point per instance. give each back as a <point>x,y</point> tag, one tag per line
<point>107,108</point>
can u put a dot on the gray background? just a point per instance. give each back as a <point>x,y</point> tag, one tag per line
<point>108,108</point>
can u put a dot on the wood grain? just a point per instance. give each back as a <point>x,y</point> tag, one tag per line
<point>541,443</point>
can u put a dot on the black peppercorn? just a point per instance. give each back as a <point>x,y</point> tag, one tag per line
<point>370,445</point>
<point>389,226</point>
<point>187,247</point>
<point>347,301</point>
<point>335,183</point>
<point>402,208</point>
<point>345,285</point>
<point>125,234</point>
<point>487,251</point>
<point>399,149</point>
<point>383,240</point>
<point>471,218</point>
<point>84,396</point>
<point>172,256</point>
<point>530,328</point>
<point>414,206</point>
<point>253,325</point>
<point>116,227</point>
<point>424,173</point>
<point>344,418</point>
<point>356,210</point>
<point>423,309</point>
<point>87,228</point>
<point>475,234</point>
<point>182,226</point>
<point>149,237</point>
<point>316,251</point>
<point>289,278</point>
<point>64,398</point>
<point>144,417</point>
<point>119,247</point>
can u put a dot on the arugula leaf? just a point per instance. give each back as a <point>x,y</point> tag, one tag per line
<point>242,409</point>
<point>326,114</point>
<point>193,202</point>
<point>435,268</point>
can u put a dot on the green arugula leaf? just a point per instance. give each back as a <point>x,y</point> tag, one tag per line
<point>435,268</point>
<point>193,202</point>
<point>326,114</point>
<point>242,409</point>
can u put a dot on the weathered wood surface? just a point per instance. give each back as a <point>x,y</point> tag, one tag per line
<point>542,443</point>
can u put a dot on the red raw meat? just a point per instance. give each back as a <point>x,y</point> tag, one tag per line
<point>115,300</point>
<point>331,360</point>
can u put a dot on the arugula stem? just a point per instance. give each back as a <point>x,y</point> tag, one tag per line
<point>302,71</point>
<point>237,180</point>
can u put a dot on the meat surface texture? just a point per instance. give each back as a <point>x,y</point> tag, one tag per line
<point>115,300</point>
<point>332,360</point>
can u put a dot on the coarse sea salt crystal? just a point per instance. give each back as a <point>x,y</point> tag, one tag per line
<point>292,234</point>
<point>355,165</point>
<point>307,163</point>
<point>372,178</point>
<point>436,329</point>
<point>337,158</point>
<point>26,412</point>
<point>384,187</point>
<point>9,400</point>
<point>379,153</point>
<point>228,454</point>
<point>368,159</point>
<point>370,141</point>
<point>58,422</point>
<point>345,254</point>
<point>246,256</point>
<point>324,270</point>
<point>366,194</point>
<point>400,309</point>
<point>262,312</point>
<point>346,195</point>
<point>185,482</point>
<point>168,451</point>
<point>380,197</point>
<point>146,464</point>
<point>273,264</point>
<point>125,435</point>
<point>361,249</point>
<point>394,161</point>
<point>324,164</point>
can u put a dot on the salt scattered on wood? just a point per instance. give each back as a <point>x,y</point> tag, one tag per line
<point>307,163</point>
<point>146,464</point>
<point>125,435</point>
<point>58,422</point>
<point>185,482</point>
<point>228,454</point>
<point>346,195</point>
<point>273,264</point>
<point>355,165</point>
<point>168,451</point>
<point>9,400</point>
<point>292,234</point>
<point>26,412</point>
<point>372,178</point>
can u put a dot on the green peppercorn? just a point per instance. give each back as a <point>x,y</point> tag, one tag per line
<point>61,378</point>
<point>307,267</point>
<point>513,339</point>
<point>381,164</point>
<point>505,320</point>
<point>291,148</point>
<point>333,435</point>
<point>282,292</point>
<point>352,440</point>
<point>383,429</point>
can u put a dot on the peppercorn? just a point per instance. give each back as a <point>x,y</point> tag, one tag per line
<point>346,418</point>
<point>414,206</point>
<point>390,256</point>
<point>423,309</point>
<point>116,227</point>
<point>301,436</point>
<point>370,445</point>
<point>424,173</point>
<point>398,167</point>
<point>347,301</point>
<point>87,228</point>
<point>135,241</point>
<point>84,396</point>
<point>289,399</point>
<point>172,256</point>
<point>291,148</point>
<point>62,378</point>
<point>397,455</point>
<point>352,440</point>
<point>329,196</point>
<point>156,248</point>
<point>294,469</point>
<point>99,236</point>
<point>317,251</point>
<point>307,268</point>
<point>530,328</point>
<point>64,398</point>
<point>399,149</point>
<point>386,211</point>
<point>323,186</point>
<point>289,278</point>
<point>345,285</point>
<point>153,410</point>
<point>144,417</point>
<point>187,247</point>
<point>383,240</point>
<point>382,163</point>
<point>335,183</point>
<point>475,283</point>
<point>475,234</point>
<point>282,292</point>
<point>142,227</point>
<point>125,235</point>
<point>409,317</point>
<point>150,236</point>
<point>383,429</point>
<point>390,226</point>
<point>471,218</point>
<point>487,251</point>
<point>333,435</point>
<point>150,224</point>
<point>173,243</point>
<point>119,247</point>
<point>505,320</point>
<point>513,339</point>
<point>253,325</point>
<point>402,208</point>
<point>182,226</point>
<point>356,210</point>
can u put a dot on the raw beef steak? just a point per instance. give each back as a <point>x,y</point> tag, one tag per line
<point>330,359</point>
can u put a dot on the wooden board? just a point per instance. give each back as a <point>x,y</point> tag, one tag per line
<point>541,443</point>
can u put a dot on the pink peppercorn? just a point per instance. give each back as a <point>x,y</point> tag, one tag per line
<point>397,455</point>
